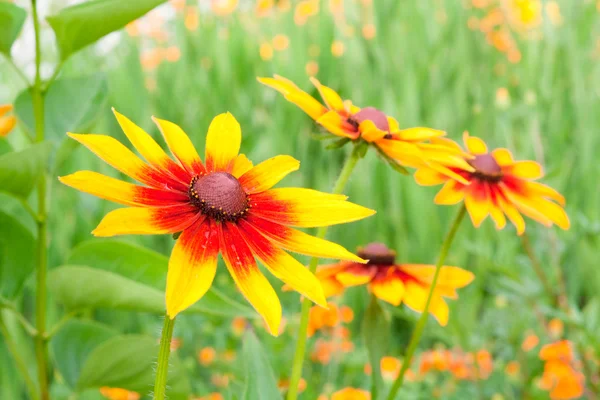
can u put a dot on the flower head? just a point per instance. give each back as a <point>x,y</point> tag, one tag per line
<point>498,186</point>
<point>350,393</point>
<point>7,122</point>
<point>560,376</point>
<point>224,205</point>
<point>118,394</point>
<point>396,283</point>
<point>412,147</point>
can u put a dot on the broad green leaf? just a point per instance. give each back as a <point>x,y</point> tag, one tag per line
<point>260,379</point>
<point>82,287</point>
<point>149,268</point>
<point>129,362</point>
<point>73,343</point>
<point>20,170</point>
<point>80,25</point>
<point>11,22</point>
<point>4,146</point>
<point>71,105</point>
<point>17,261</point>
<point>376,336</point>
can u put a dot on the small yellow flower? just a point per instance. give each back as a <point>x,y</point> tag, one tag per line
<point>118,394</point>
<point>7,122</point>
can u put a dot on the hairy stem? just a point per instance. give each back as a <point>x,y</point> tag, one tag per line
<point>162,368</point>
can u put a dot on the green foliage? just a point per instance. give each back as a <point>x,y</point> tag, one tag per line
<point>20,170</point>
<point>11,22</point>
<point>127,362</point>
<point>70,105</point>
<point>376,336</point>
<point>73,344</point>
<point>80,25</point>
<point>260,379</point>
<point>4,146</point>
<point>17,250</point>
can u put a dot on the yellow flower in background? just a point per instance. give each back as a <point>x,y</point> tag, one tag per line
<point>304,10</point>
<point>524,14</point>
<point>224,7</point>
<point>396,283</point>
<point>413,147</point>
<point>337,48</point>
<point>224,205</point>
<point>281,42</point>
<point>350,393</point>
<point>498,186</point>
<point>263,8</point>
<point>118,394</point>
<point>7,122</point>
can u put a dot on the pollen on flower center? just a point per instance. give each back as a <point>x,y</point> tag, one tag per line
<point>486,167</point>
<point>377,254</point>
<point>219,195</point>
<point>375,116</point>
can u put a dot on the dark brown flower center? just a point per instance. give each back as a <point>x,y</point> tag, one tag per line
<point>219,195</point>
<point>374,115</point>
<point>377,254</point>
<point>486,167</point>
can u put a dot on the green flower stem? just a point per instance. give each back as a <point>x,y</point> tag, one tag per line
<point>41,350</point>
<point>416,336</point>
<point>162,369</point>
<point>19,362</point>
<point>298,361</point>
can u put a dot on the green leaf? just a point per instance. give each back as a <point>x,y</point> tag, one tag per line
<point>71,105</point>
<point>260,379</point>
<point>148,267</point>
<point>5,146</point>
<point>11,22</point>
<point>73,343</point>
<point>20,170</point>
<point>80,25</point>
<point>376,335</point>
<point>128,362</point>
<point>17,261</point>
<point>337,144</point>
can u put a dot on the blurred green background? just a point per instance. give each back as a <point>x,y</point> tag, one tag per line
<point>534,88</point>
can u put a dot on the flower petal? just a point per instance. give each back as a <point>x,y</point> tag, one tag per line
<point>539,189</point>
<point>241,165</point>
<point>415,298</point>
<point>150,150</point>
<point>248,278</point>
<point>429,177</point>
<point>454,277</point>
<point>511,212</point>
<point>121,158</point>
<point>477,201</point>
<point>181,146</point>
<point>338,125</point>
<point>283,266</point>
<point>266,174</point>
<point>474,145</point>
<point>369,132</point>
<point>539,209</point>
<point>330,96</point>
<point>495,210</point>
<point>389,289</point>
<point>147,220</point>
<point>524,170</point>
<point>417,134</point>
<point>502,156</point>
<point>392,123</point>
<point>295,95</point>
<point>298,241</point>
<point>223,142</point>
<point>305,208</point>
<point>121,192</point>
<point>451,193</point>
<point>7,124</point>
<point>356,275</point>
<point>192,266</point>
<point>405,153</point>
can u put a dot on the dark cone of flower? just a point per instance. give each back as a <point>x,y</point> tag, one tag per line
<point>219,193</point>
<point>377,254</point>
<point>374,115</point>
<point>485,164</point>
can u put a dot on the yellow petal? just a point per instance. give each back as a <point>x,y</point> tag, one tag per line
<point>542,210</point>
<point>477,202</point>
<point>331,98</point>
<point>146,220</point>
<point>300,242</point>
<point>305,208</point>
<point>524,170</point>
<point>338,125</point>
<point>149,149</point>
<point>415,298</point>
<point>248,278</point>
<point>293,94</point>
<point>266,174</point>
<point>222,142</point>
<point>369,132</point>
<point>450,276</point>
<point>497,216</point>
<point>502,156</point>
<point>241,165</point>
<point>451,193</point>
<point>539,189</point>
<point>180,145</point>
<point>7,124</point>
<point>512,213</point>
<point>356,276</point>
<point>390,290</point>
<point>121,192</point>
<point>284,266</point>
<point>192,266</point>
<point>393,124</point>
<point>429,177</point>
<point>417,134</point>
<point>474,144</point>
<point>5,108</point>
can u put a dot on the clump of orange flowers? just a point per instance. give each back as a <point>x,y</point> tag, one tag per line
<point>463,366</point>
<point>562,376</point>
<point>327,319</point>
<point>118,394</point>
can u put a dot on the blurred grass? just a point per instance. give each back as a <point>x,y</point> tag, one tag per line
<point>426,68</point>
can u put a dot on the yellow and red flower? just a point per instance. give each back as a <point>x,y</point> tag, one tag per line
<point>225,205</point>
<point>413,147</point>
<point>498,186</point>
<point>7,122</point>
<point>396,283</point>
<point>560,377</point>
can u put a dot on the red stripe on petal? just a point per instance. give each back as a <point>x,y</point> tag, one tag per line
<point>157,197</point>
